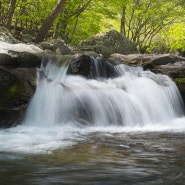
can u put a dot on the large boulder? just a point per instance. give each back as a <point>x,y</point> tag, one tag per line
<point>56,46</point>
<point>14,98</point>
<point>6,36</point>
<point>18,65</point>
<point>20,59</point>
<point>176,71</point>
<point>91,67</point>
<point>108,43</point>
<point>27,38</point>
<point>148,61</point>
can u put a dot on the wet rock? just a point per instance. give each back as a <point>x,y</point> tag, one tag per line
<point>5,59</point>
<point>168,64</point>
<point>80,66</point>
<point>91,67</point>
<point>10,117</point>
<point>17,81</point>
<point>17,86</point>
<point>181,85</point>
<point>148,61</point>
<point>20,59</point>
<point>13,98</point>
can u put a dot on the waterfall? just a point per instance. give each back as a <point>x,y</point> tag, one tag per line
<point>132,98</point>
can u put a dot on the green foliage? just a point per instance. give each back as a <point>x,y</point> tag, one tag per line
<point>153,25</point>
<point>158,45</point>
<point>147,18</point>
<point>180,80</point>
<point>98,17</point>
<point>177,37</point>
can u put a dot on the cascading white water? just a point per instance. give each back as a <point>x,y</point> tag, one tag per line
<point>135,98</point>
<point>134,101</point>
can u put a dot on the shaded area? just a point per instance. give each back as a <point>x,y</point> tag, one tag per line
<point>17,85</point>
<point>92,67</point>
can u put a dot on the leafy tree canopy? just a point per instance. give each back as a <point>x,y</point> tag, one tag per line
<point>144,22</point>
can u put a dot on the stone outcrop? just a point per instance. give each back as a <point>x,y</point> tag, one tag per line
<point>56,46</point>
<point>168,64</point>
<point>6,36</point>
<point>16,89</point>
<point>91,67</point>
<point>17,83</point>
<point>18,65</point>
<point>108,43</point>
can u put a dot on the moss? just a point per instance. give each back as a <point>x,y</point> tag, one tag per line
<point>132,63</point>
<point>8,94</point>
<point>14,90</point>
<point>180,80</point>
<point>180,83</point>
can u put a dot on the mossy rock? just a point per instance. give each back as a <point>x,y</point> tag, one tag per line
<point>181,86</point>
<point>12,101</point>
<point>10,88</point>
<point>180,82</point>
<point>9,118</point>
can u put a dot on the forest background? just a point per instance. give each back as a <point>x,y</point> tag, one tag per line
<point>155,26</point>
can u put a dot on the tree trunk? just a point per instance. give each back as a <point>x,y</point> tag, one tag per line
<point>123,19</point>
<point>10,13</point>
<point>49,21</point>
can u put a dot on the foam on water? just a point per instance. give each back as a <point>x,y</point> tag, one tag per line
<point>34,140</point>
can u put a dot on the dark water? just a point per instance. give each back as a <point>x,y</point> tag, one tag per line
<point>135,158</point>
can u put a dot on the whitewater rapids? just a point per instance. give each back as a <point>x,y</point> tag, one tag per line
<point>66,108</point>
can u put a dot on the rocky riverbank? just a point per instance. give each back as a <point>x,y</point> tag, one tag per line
<point>19,63</point>
<point>17,80</point>
<point>168,64</point>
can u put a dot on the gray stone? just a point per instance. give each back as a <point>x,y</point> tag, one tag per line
<point>62,49</point>
<point>6,36</point>
<point>57,46</point>
<point>27,38</point>
<point>108,43</point>
<point>168,64</point>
